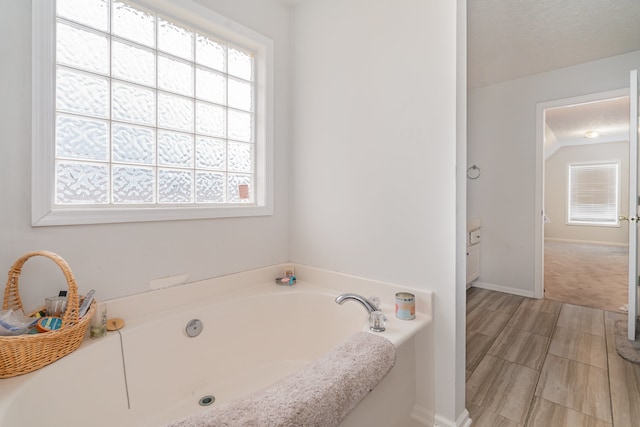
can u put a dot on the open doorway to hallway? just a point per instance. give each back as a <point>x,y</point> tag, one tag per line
<point>586,175</point>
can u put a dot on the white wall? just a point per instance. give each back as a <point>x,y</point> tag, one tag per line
<point>368,184</point>
<point>373,189</point>
<point>120,259</point>
<point>556,190</point>
<point>502,142</point>
<point>551,143</point>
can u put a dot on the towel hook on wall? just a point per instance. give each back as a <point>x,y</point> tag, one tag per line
<point>473,172</point>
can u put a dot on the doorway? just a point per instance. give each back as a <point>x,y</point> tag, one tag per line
<point>584,156</point>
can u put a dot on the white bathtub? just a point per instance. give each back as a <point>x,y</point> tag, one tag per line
<point>254,333</point>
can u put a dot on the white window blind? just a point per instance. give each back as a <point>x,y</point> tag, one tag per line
<point>593,194</point>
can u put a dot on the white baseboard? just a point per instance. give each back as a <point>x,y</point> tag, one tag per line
<point>421,416</point>
<point>586,242</point>
<point>462,421</point>
<point>505,289</point>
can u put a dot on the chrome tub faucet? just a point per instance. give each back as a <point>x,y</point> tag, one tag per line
<point>377,320</point>
<point>367,304</point>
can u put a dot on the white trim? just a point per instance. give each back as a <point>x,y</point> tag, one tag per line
<point>42,120</point>
<point>43,124</point>
<point>422,416</point>
<point>504,289</point>
<point>462,421</point>
<point>538,271</point>
<point>633,206</point>
<point>539,175</point>
<point>590,242</point>
<point>104,216</point>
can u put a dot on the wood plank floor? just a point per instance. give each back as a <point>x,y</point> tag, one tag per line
<point>545,363</point>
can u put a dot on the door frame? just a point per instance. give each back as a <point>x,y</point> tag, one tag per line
<point>538,290</point>
<point>633,205</point>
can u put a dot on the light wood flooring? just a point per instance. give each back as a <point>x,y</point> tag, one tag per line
<point>586,274</point>
<point>546,363</point>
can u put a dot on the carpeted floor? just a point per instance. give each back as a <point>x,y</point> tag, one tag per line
<point>586,274</point>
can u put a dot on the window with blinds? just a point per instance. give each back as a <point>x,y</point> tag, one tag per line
<point>593,194</point>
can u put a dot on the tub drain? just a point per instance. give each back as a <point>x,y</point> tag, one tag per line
<point>206,400</point>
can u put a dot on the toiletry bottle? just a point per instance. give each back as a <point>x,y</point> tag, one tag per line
<point>98,326</point>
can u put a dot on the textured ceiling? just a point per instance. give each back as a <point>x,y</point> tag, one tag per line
<point>508,39</point>
<point>609,117</point>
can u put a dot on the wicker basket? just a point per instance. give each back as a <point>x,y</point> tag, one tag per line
<point>26,353</point>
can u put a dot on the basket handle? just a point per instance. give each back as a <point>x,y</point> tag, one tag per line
<point>12,293</point>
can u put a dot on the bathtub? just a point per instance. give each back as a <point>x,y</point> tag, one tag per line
<point>254,333</point>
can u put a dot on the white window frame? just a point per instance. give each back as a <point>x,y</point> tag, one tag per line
<point>569,220</point>
<point>43,210</point>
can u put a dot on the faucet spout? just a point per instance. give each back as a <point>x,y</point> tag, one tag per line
<point>367,304</point>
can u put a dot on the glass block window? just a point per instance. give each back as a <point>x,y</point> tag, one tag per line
<point>149,110</point>
<point>593,194</point>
